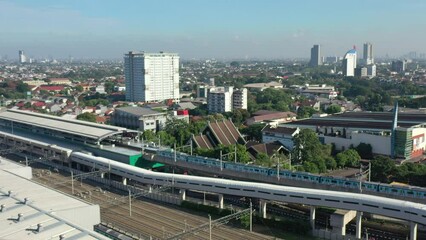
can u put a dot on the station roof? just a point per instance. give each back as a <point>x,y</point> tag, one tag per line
<point>45,206</point>
<point>69,126</point>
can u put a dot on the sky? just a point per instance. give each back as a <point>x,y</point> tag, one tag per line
<point>201,29</point>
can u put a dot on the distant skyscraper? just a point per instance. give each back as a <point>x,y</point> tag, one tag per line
<point>315,56</point>
<point>399,66</point>
<point>151,77</point>
<point>22,58</point>
<point>368,54</point>
<point>349,63</point>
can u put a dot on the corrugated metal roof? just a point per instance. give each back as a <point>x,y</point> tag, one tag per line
<point>80,128</point>
<point>44,206</point>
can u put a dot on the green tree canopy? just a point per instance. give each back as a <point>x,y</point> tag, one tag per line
<point>89,117</point>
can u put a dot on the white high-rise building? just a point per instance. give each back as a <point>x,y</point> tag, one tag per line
<point>219,99</point>
<point>349,63</point>
<point>226,99</point>
<point>22,57</point>
<point>239,99</point>
<point>151,77</point>
<point>368,54</point>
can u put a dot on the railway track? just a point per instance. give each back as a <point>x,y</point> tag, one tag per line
<point>148,219</point>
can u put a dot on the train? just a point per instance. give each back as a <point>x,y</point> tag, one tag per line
<point>400,209</point>
<point>406,191</point>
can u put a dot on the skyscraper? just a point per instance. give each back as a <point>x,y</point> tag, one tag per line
<point>151,77</point>
<point>22,58</point>
<point>315,56</point>
<point>349,63</point>
<point>368,54</point>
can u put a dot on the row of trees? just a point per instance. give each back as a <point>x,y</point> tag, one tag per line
<point>384,169</point>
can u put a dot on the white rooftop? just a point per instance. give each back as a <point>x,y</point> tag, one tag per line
<point>57,213</point>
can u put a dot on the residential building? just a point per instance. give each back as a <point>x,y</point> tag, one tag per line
<point>368,54</point>
<point>139,118</point>
<point>151,77</point>
<point>315,56</point>
<point>239,99</point>
<point>202,90</point>
<point>60,81</point>
<point>349,63</point>
<point>219,99</point>
<point>226,99</point>
<point>283,135</point>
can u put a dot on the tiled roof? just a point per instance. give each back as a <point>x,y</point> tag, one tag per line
<point>284,130</point>
<point>224,132</point>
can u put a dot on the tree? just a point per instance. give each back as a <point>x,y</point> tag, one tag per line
<point>333,108</point>
<point>348,158</point>
<point>109,87</point>
<point>262,159</point>
<point>365,150</point>
<point>307,146</point>
<point>179,129</point>
<point>148,135</point>
<point>79,88</point>
<point>89,117</point>
<point>254,131</point>
<point>330,163</point>
<point>305,112</point>
<point>22,87</point>
<point>382,169</point>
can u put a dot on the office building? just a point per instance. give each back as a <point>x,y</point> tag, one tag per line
<point>368,54</point>
<point>361,72</point>
<point>371,70</point>
<point>315,56</point>
<point>151,77</point>
<point>22,57</point>
<point>399,66</point>
<point>349,63</point>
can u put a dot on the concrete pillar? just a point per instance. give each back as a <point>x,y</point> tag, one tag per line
<point>358,225</point>
<point>102,175</point>
<point>124,181</point>
<point>220,201</point>
<point>413,231</point>
<point>182,194</point>
<point>312,217</point>
<point>150,188</point>
<point>262,208</point>
<point>339,219</point>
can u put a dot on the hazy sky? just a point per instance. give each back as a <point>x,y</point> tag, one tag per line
<point>266,29</point>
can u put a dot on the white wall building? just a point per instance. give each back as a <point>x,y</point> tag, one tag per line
<point>219,99</point>
<point>239,99</point>
<point>22,57</point>
<point>151,77</point>
<point>349,63</point>
<point>225,99</point>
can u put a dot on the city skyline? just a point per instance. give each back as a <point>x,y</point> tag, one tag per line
<point>203,29</point>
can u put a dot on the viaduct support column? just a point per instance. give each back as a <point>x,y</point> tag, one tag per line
<point>413,231</point>
<point>220,201</point>
<point>312,217</point>
<point>262,208</point>
<point>124,181</point>
<point>182,194</point>
<point>358,225</point>
<point>102,175</point>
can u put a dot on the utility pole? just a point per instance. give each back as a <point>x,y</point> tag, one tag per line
<point>221,160</point>
<point>210,227</point>
<point>130,203</point>
<point>251,216</point>
<point>360,178</point>
<point>369,171</point>
<point>235,158</point>
<point>174,150</point>
<point>72,182</point>
<point>191,147</point>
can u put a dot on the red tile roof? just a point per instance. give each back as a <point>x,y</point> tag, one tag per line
<point>51,88</point>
